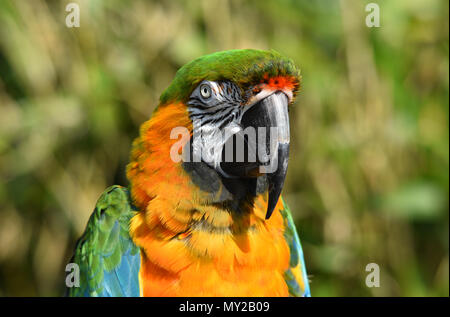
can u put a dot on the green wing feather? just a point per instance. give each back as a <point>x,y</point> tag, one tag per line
<point>107,258</point>
<point>296,277</point>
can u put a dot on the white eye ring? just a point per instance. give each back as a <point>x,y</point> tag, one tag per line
<point>205,91</point>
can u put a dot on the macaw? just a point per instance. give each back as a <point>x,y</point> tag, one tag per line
<point>202,225</point>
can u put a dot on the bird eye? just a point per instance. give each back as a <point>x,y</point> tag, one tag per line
<point>205,91</point>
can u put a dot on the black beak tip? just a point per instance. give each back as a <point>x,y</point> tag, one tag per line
<point>274,195</point>
<point>276,179</point>
<point>270,208</point>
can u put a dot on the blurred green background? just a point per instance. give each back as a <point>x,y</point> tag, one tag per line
<point>368,178</point>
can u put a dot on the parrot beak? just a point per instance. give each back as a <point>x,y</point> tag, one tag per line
<point>266,152</point>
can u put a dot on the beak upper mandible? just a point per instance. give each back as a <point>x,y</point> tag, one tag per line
<point>266,152</point>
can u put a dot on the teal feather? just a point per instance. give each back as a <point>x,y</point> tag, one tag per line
<point>296,257</point>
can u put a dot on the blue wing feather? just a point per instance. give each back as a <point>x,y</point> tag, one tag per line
<point>107,258</point>
<point>296,276</point>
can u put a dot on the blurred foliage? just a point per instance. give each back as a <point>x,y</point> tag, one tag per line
<point>368,179</point>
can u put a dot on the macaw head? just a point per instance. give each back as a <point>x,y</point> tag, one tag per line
<point>237,102</point>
